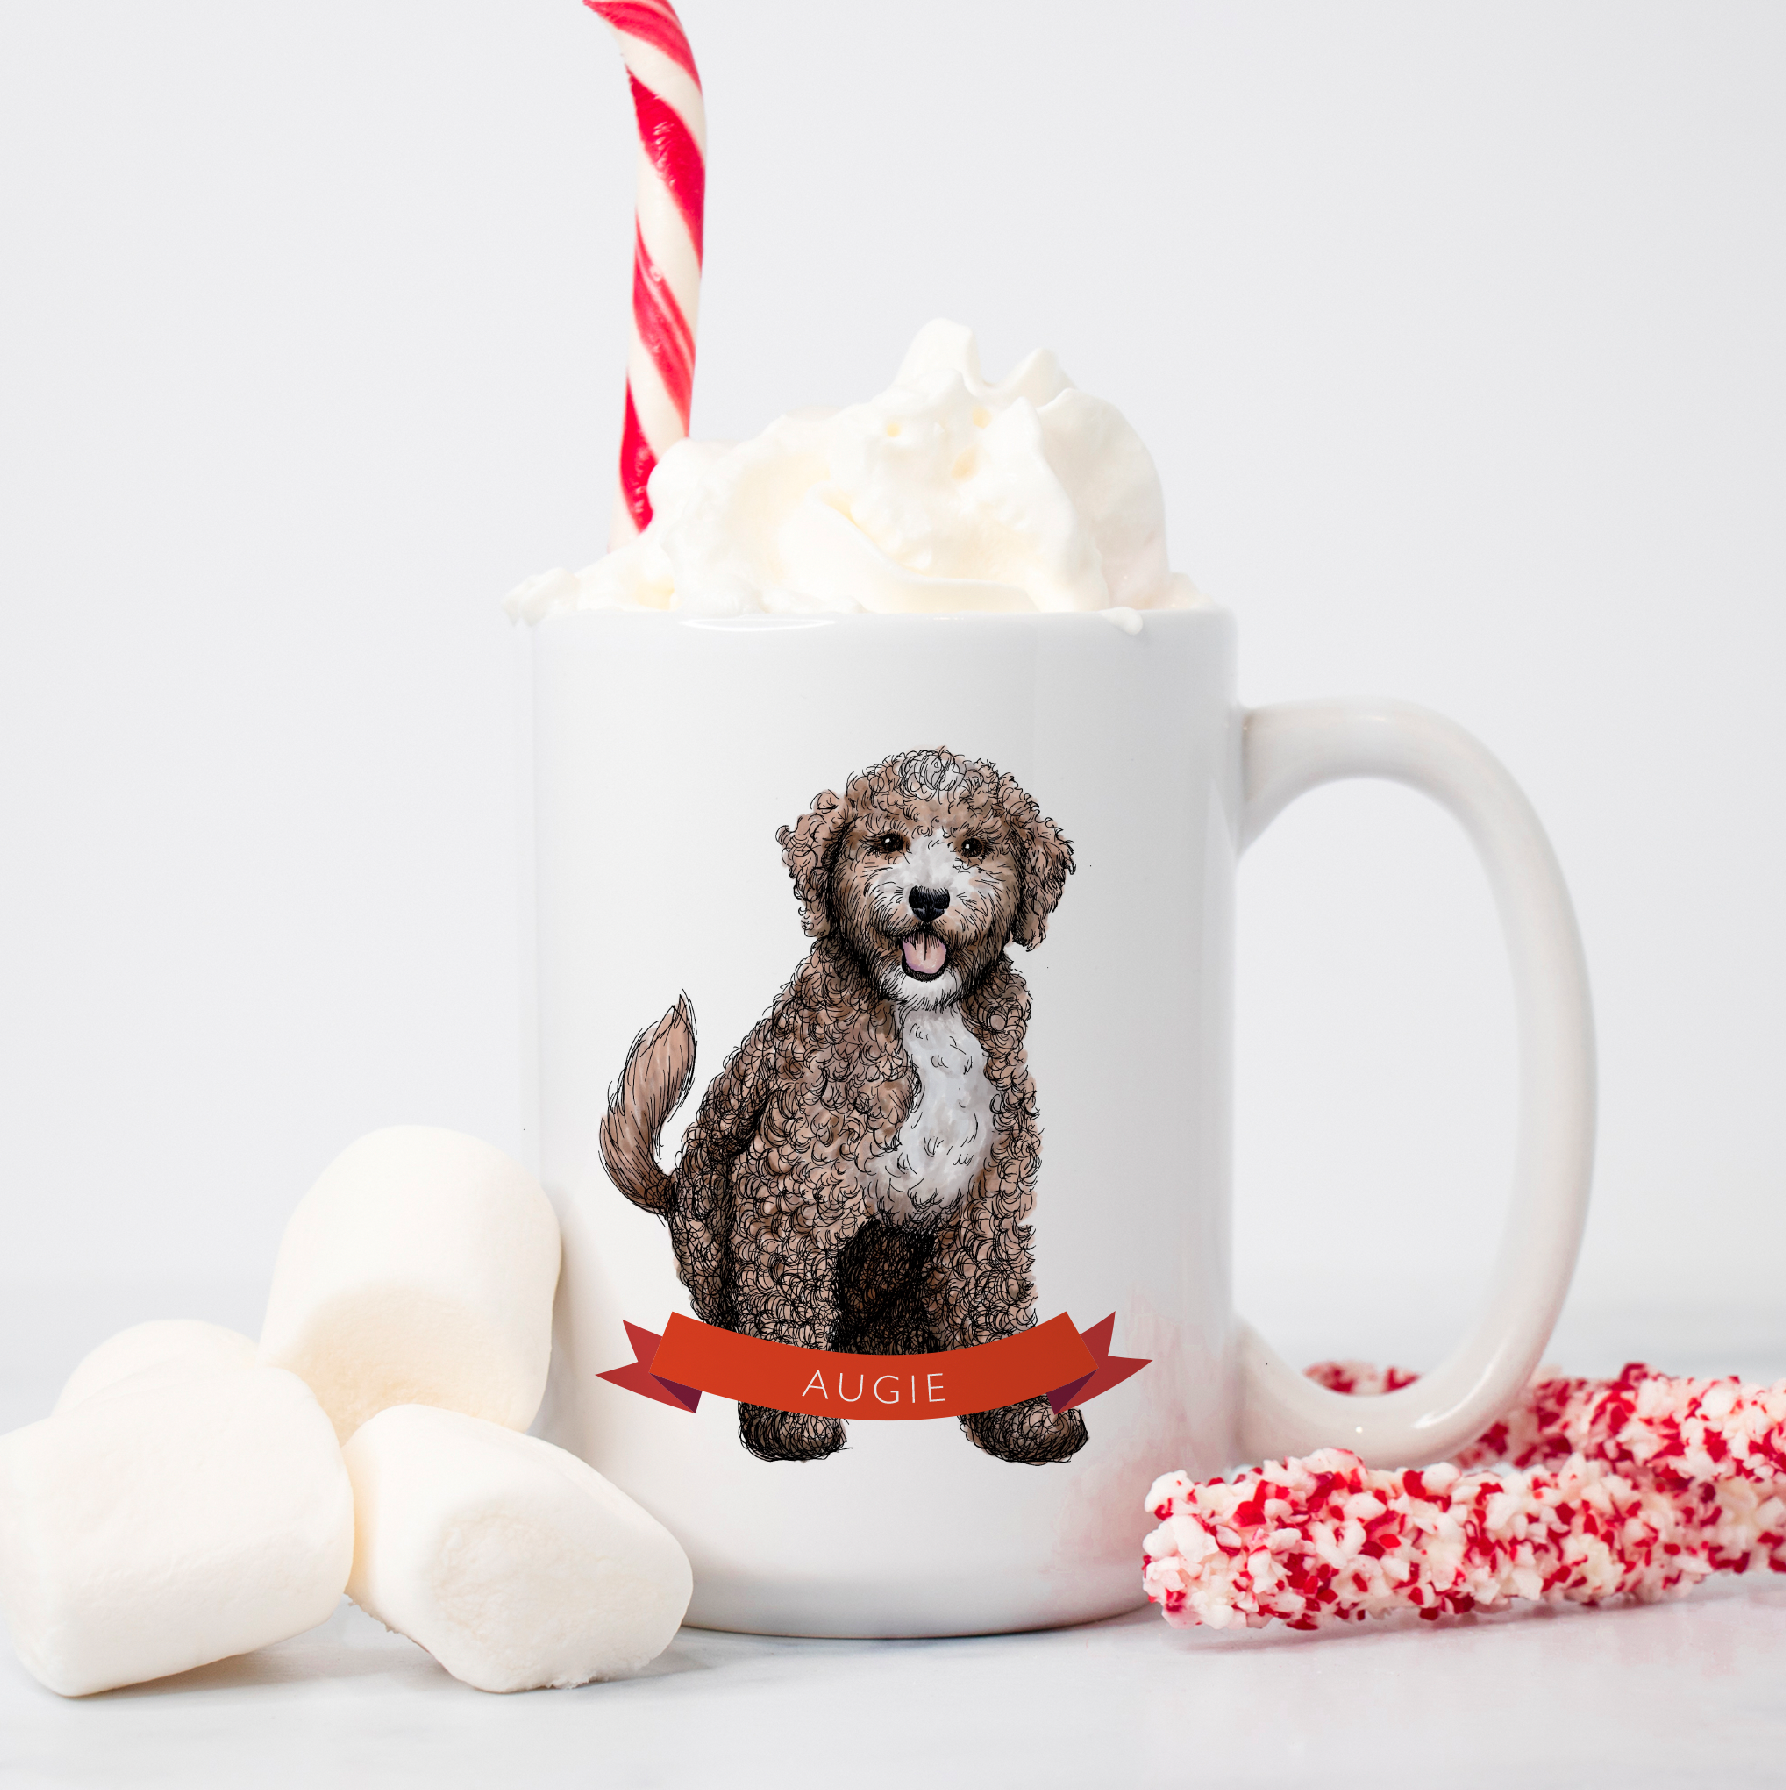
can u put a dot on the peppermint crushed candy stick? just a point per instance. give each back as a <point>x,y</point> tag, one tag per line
<point>1680,1432</point>
<point>1325,1539</point>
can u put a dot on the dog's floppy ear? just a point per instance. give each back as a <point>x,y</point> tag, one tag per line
<point>1047,860</point>
<point>808,848</point>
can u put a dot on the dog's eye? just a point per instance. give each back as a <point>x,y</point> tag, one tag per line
<point>888,842</point>
<point>973,848</point>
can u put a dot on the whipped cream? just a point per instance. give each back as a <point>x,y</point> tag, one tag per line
<point>945,493</point>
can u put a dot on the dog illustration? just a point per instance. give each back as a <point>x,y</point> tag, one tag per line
<point>860,1171</point>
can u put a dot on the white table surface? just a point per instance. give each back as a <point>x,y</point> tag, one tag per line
<point>1680,1694</point>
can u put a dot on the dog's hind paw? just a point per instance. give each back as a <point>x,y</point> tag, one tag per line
<point>788,1435</point>
<point>1029,1433</point>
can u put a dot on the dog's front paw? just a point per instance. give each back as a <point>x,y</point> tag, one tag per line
<point>788,1435</point>
<point>1029,1434</point>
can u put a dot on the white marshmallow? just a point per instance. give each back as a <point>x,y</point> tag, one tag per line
<point>418,1270</point>
<point>186,1342</point>
<point>180,1518</point>
<point>514,1563</point>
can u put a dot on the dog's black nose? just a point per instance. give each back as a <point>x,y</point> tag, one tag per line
<point>928,903</point>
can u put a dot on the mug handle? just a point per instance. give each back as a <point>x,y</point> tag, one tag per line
<point>1287,750</point>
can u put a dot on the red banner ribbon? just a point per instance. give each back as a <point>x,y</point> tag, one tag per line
<point>1066,1365</point>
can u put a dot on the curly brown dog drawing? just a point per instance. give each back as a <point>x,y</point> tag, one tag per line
<point>860,1171</point>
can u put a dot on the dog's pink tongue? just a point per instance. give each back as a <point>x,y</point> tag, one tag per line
<point>924,953</point>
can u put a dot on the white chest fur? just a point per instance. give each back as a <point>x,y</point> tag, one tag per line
<point>945,1137</point>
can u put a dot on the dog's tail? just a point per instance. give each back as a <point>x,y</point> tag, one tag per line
<point>659,1068</point>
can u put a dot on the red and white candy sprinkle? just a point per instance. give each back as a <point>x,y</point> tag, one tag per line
<point>1327,1539</point>
<point>1639,1486</point>
<point>1679,1431</point>
<point>1362,1379</point>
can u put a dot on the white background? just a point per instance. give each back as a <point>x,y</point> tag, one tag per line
<point>1455,333</point>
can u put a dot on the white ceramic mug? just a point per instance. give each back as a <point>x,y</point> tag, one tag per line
<point>668,753</point>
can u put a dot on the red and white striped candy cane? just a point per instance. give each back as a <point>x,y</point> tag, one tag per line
<point>660,362</point>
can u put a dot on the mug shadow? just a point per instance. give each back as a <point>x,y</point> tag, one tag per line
<point>351,1646</point>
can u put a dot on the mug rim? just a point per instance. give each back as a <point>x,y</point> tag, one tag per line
<point>1118,616</point>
